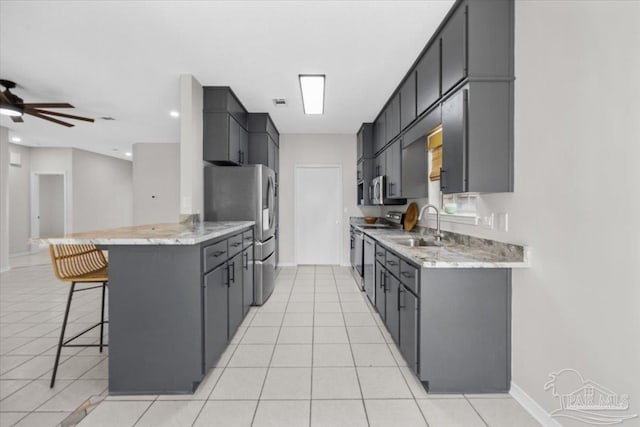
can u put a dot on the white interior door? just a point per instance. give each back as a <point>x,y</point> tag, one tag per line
<point>48,207</point>
<point>318,214</point>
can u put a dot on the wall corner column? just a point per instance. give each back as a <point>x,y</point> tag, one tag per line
<point>191,125</point>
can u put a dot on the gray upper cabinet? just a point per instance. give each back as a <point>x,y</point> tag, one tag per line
<point>380,164</point>
<point>392,128</point>
<point>393,169</point>
<point>477,142</point>
<point>359,145</point>
<point>380,132</point>
<point>415,168</point>
<point>225,137</point>
<point>428,78</point>
<point>453,176</point>
<point>454,58</point>
<point>408,101</point>
<point>263,141</point>
<point>365,141</point>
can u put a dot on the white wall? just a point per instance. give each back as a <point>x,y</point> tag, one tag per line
<point>19,200</point>
<point>315,150</point>
<point>577,196</point>
<point>156,183</point>
<point>102,191</point>
<point>4,198</point>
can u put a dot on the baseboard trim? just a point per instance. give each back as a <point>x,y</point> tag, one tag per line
<point>532,407</point>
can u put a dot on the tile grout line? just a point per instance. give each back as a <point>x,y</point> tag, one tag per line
<point>364,406</point>
<point>464,396</point>
<point>266,376</point>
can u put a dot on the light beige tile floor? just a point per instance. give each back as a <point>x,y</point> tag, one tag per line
<point>316,355</point>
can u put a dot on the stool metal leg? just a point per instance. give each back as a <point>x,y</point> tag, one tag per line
<point>104,287</point>
<point>64,326</point>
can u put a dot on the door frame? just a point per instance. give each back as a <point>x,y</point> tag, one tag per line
<point>296,238</point>
<point>35,201</point>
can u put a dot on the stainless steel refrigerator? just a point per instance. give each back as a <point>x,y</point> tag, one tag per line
<point>247,193</point>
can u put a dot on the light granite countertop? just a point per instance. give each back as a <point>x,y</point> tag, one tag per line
<point>153,234</point>
<point>456,251</point>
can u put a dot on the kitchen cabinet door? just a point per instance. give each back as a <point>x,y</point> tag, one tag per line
<point>360,171</point>
<point>453,175</point>
<point>393,169</point>
<point>369,267</point>
<point>247,279</point>
<point>236,302</point>
<point>360,145</point>
<point>392,318</point>
<point>271,149</point>
<point>454,49</point>
<point>428,78</point>
<point>244,146</point>
<point>392,118</point>
<point>379,133</point>
<point>235,131</point>
<point>409,306</point>
<point>215,315</point>
<point>408,101</point>
<point>380,164</point>
<point>415,173</point>
<point>381,300</point>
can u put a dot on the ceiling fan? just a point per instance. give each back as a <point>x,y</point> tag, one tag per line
<point>13,106</point>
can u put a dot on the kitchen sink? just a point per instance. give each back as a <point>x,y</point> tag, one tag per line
<point>416,242</point>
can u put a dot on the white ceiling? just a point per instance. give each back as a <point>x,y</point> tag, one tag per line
<point>124,59</point>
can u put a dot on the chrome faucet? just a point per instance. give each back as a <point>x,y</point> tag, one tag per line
<point>422,211</point>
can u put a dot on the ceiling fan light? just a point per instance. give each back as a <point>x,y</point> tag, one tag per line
<point>10,110</point>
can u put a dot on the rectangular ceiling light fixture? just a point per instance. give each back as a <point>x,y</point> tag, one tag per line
<point>312,87</point>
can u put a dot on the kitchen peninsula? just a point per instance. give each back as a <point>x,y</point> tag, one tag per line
<point>176,295</point>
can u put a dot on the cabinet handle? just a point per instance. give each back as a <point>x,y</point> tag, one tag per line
<point>228,275</point>
<point>380,253</point>
<point>216,254</point>
<point>407,275</point>
<point>246,260</point>
<point>236,244</point>
<point>385,282</point>
<point>232,266</point>
<point>391,192</point>
<point>443,184</point>
<point>393,263</point>
<point>401,298</point>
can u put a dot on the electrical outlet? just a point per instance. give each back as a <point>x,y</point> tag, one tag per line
<point>487,221</point>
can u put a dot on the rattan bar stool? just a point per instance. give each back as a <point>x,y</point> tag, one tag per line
<point>79,264</point>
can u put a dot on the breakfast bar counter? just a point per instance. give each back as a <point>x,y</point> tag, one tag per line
<point>167,316</point>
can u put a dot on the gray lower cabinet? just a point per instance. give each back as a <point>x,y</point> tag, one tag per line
<point>454,45</point>
<point>408,304</point>
<point>215,315</point>
<point>381,289</point>
<point>393,169</point>
<point>236,288</point>
<point>392,318</point>
<point>452,325</point>
<point>247,279</point>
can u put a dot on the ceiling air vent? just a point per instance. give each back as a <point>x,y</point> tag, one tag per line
<point>280,102</point>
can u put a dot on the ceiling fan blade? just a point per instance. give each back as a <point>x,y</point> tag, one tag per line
<point>48,105</point>
<point>17,119</point>
<point>4,98</point>
<point>42,116</point>
<point>53,113</point>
